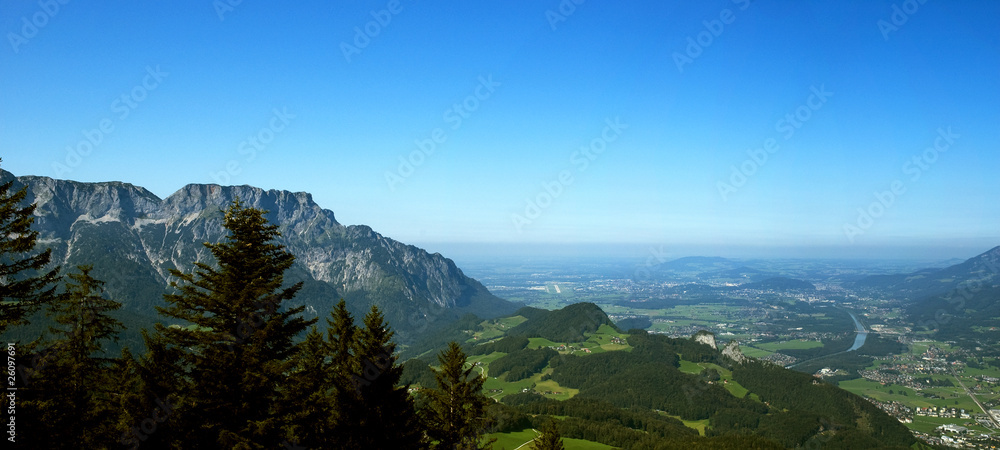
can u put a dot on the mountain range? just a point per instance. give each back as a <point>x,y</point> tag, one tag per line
<point>976,272</point>
<point>133,238</point>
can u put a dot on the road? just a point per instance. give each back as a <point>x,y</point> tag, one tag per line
<point>973,396</point>
<point>533,440</point>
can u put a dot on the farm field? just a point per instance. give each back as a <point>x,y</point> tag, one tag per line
<point>951,397</point>
<point>726,376</point>
<point>521,439</point>
<point>795,344</point>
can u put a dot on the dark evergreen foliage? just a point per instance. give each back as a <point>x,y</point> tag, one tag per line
<point>229,366</point>
<point>550,438</point>
<point>456,412</point>
<point>507,344</point>
<point>26,284</point>
<point>831,408</point>
<point>386,415</point>
<point>418,372</point>
<point>70,398</point>
<point>522,363</point>
<point>570,324</point>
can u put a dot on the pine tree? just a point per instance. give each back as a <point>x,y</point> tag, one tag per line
<point>74,393</point>
<point>229,366</point>
<point>550,438</point>
<point>387,418</point>
<point>456,411</point>
<point>342,345</point>
<point>24,283</point>
<point>308,399</point>
<point>342,340</point>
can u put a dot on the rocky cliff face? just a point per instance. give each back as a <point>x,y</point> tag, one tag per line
<point>133,239</point>
<point>733,352</point>
<point>706,337</point>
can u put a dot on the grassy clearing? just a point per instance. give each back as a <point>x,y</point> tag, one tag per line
<point>690,367</point>
<point>548,388</point>
<point>534,343</point>
<point>604,340</point>
<point>495,328</point>
<point>510,441</point>
<point>725,375</point>
<point>796,344</point>
<point>754,352</point>
<point>486,359</point>
<point>580,444</point>
<point>990,372</point>
<point>951,397</point>
<point>699,425</point>
<point>518,439</point>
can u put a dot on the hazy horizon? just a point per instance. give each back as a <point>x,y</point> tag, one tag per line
<point>922,256</point>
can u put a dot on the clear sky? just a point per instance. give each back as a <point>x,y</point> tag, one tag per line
<point>713,127</point>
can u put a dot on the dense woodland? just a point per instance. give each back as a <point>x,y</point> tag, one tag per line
<point>231,365</point>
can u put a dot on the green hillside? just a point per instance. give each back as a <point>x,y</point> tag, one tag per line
<point>610,389</point>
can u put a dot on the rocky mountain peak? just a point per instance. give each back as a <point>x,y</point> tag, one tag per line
<point>133,239</point>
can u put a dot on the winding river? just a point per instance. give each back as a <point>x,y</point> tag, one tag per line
<point>859,340</point>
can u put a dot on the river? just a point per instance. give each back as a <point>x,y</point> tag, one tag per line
<point>859,340</point>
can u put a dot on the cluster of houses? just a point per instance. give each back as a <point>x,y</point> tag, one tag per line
<point>568,348</point>
<point>895,409</point>
<point>957,436</point>
<point>829,372</point>
<point>988,379</point>
<point>935,411</point>
<point>887,378</point>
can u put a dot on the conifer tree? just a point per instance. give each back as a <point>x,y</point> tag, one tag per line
<point>550,438</point>
<point>456,411</point>
<point>73,394</point>
<point>308,397</point>
<point>341,336</point>
<point>342,344</point>
<point>387,418</point>
<point>229,366</point>
<point>24,283</point>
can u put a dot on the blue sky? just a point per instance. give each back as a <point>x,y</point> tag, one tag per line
<point>591,125</point>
